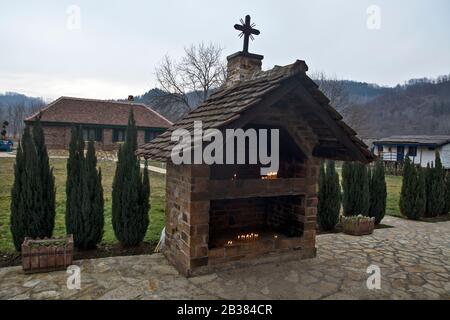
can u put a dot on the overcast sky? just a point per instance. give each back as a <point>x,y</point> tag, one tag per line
<point>114,51</point>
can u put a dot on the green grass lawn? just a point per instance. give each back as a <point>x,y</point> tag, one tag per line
<point>157,182</point>
<point>394,187</point>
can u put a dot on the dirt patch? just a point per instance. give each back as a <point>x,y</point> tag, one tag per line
<point>8,259</point>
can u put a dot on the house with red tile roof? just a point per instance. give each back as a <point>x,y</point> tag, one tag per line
<point>101,120</point>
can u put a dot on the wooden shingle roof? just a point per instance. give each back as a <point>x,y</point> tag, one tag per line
<point>226,106</point>
<point>71,110</point>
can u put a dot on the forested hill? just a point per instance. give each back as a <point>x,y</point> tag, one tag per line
<point>14,99</point>
<point>419,107</point>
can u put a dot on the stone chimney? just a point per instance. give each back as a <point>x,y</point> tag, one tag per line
<point>241,66</point>
<point>130,98</point>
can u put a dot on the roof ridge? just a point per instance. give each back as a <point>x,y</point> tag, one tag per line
<point>289,70</point>
<point>103,100</point>
<point>299,66</point>
<point>29,118</point>
<point>158,114</point>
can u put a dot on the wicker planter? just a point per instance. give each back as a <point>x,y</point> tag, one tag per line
<point>358,225</point>
<point>47,254</point>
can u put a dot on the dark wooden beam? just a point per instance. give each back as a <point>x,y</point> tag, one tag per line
<point>340,134</point>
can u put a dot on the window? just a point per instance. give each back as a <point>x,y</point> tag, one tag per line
<point>118,135</point>
<point>412,151</point>
<point>94,134</point>
<point>150,135</point>
<point>380,149</point>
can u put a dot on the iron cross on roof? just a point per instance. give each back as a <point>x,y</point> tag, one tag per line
<point>247,31</point>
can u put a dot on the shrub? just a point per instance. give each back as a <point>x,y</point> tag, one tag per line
<point>329,197</point>
<point>130,194</point>
<point>435,188</point>
<point>33,192</point>
<point>378,193</point>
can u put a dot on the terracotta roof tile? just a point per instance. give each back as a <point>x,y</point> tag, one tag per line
<point>91,111</point>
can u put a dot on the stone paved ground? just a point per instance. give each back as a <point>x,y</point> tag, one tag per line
<point>414,258</point>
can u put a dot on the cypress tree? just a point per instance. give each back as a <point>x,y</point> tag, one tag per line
<point>435,188</point>
<point>378,193</point>
<point>30,215</point>
<point>18,222</point>
<point>85,203</point>
<point>88,228</point>
<point>74,192</point>
<point>441,184</point>
<point>347,188</point>
<point>356,197</point>
<point>405,193</point>
<point>363,194</point>
<point>409,196</point>
<point>428,181</point>
<point>329,197</point>
<point>47,188</point>
<point>130,194</point>
<point>420,203</point>
<point>447,194</point>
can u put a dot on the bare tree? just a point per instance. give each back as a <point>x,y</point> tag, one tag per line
<point>334,89</point>
<point>35,106</point>
<point>16,115</point>
<point>201,70</point>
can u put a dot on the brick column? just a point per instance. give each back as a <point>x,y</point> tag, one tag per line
<point>187,218</point>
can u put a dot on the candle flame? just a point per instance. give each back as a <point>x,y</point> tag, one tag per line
<point>270,175</point>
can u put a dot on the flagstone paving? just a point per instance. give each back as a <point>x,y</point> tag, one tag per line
<point>414,259</point>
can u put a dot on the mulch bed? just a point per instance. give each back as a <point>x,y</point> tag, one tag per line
<point>102,251</point>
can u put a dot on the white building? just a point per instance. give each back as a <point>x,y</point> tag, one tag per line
<point>419,149</point>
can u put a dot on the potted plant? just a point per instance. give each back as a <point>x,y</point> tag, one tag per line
<point>357,225</point>
<point>43,255</point>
